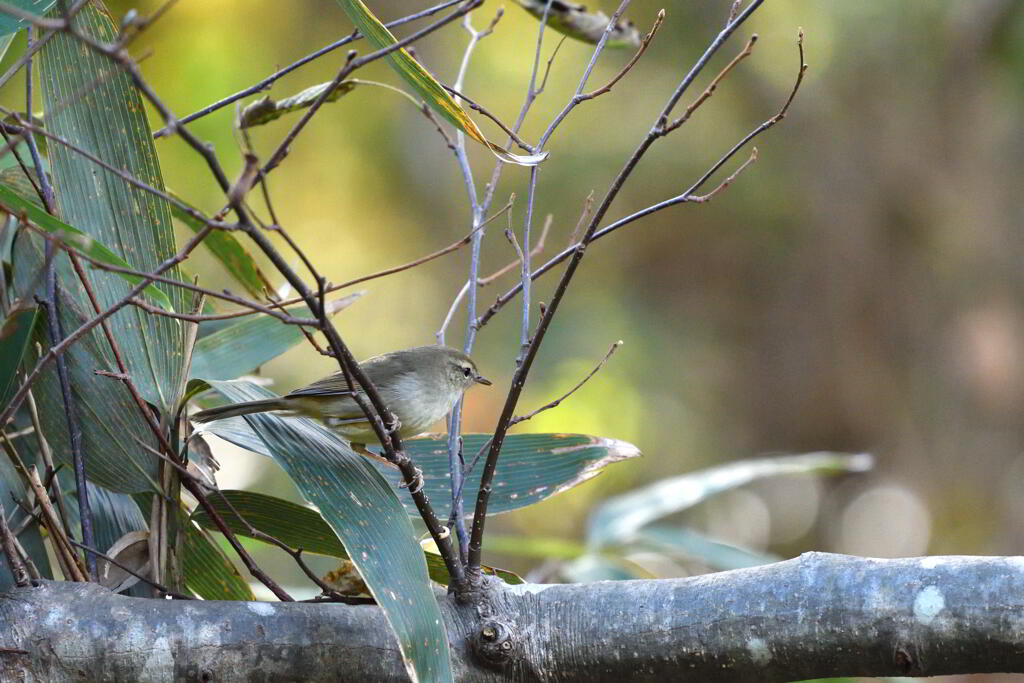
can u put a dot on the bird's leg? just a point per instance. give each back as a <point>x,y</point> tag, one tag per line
<point>417,482</point>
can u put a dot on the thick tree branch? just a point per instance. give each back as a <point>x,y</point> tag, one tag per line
<point>818,615</point>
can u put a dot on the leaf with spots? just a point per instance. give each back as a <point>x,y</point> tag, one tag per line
<point>9,23</point>
<point>366,516</point>
<point>93,104</point>
<point>532,467</point>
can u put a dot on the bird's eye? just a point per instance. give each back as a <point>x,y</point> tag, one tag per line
<point>467,372</point>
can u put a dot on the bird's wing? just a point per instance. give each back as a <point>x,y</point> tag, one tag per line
<point>332,385</point>
<point>387,365</point>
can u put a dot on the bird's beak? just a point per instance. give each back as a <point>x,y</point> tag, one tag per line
<point>480,379</point>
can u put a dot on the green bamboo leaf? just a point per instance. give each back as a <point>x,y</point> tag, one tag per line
<point>223,244</point>
<point>364,512</point>
<point>301,527</point>
<point>93,104</point>
<point>208,571</point>
<point>576,22</point>
<point>115,437</point>
<point>425,85</point>
<point>13,201</point>
<point>5,41</point>
<point>15,335</point>
<point>14,178</point>
<point>248,343</point>
<point>532,467</point>
<point>10,23</point>
<point>617,519</point>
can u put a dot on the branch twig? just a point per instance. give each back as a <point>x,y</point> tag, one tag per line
<point>519,378</point>
<point>266,82</point>
<point>557,401</point>
<point>7,544</point>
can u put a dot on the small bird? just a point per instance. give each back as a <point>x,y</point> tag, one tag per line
<point>419,385</point>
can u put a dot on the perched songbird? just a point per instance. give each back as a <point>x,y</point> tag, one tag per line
<point>419,385</point>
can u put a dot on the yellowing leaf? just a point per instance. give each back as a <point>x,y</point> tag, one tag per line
<point>432,92</point>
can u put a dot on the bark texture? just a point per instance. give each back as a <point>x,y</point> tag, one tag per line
<point>815,616</point>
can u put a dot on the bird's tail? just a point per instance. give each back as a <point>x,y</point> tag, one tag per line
<point>235,409</point>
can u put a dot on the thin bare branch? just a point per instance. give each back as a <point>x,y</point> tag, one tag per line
<point>70,561</point>
<point>551,60</point>
<point>266,82</point>
<point>629,65</point>
<point>701,198</point>
<point>351,64</point>
<point>685,197</point>
<point>141,577</point>
<point>588,206</point>
<point>475,106</point>
<point>557,401</point>
<point>747,50</point>
<point>522,371</point>
<point>538,248</point>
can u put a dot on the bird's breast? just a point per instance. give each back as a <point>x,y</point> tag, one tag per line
<point>416,404</point>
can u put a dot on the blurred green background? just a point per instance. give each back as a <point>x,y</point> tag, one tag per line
<point>859,288</point>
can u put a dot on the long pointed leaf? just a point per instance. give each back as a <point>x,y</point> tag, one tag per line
<point>12,201</point>
<point>425,85</point>
<point>115,437</point>
<point>617,519</point>
<point>532,467</point>
<point>93,104</point>
<point>208,571</point>
<point>364,512</point>
<point>10,23</point>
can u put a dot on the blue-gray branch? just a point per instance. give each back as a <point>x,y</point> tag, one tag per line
<point>815,616</point>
